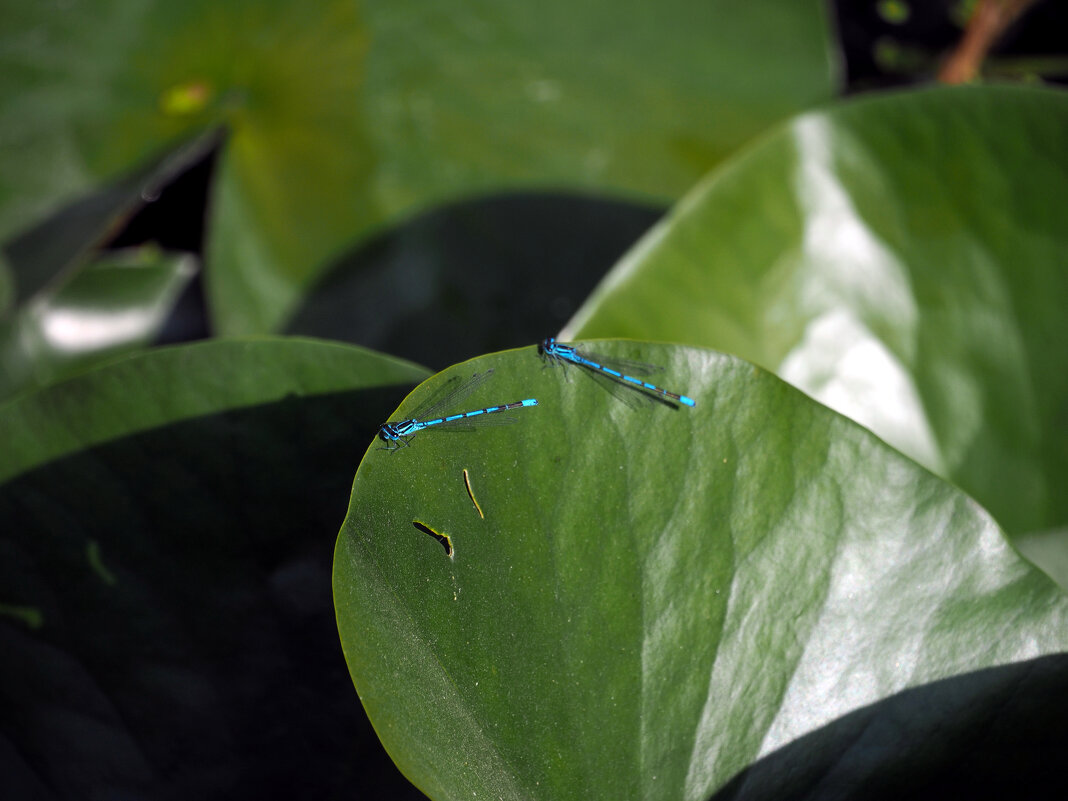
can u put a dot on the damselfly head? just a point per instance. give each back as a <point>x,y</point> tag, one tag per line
<point>547,346</point>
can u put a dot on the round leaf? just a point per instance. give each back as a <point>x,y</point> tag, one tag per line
<point>900,258</point>
<point>647,600</point>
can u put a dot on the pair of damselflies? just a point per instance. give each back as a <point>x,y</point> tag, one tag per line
<point>398,434</point>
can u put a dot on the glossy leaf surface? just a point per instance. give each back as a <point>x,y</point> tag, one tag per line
<point>654,600</point>
<point>900,258</point>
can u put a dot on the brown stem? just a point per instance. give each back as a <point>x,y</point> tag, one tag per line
<point>988,22</point>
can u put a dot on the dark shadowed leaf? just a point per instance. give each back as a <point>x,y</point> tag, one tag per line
<point>165,618</point>
<point>473,277</point>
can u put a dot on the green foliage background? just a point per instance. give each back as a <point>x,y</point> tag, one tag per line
<point>809,585</point>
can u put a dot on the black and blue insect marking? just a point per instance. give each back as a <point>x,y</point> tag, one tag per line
<point>399,433</point>
<point>558,353</point>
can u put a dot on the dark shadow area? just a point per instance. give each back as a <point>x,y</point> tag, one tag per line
<point>183,199</point>
<point>175,219</point>
<point>881,51</point>
<point>473,277</point>
<point>101,218</point>
<point>40,254</point>
<point>999,733</point>
<point>466,278</point>
<point>169,627</point>
<point>880,54</point>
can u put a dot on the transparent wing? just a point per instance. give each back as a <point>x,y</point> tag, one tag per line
<point>628,366</point>
<point>449,394</point>
<point>633,396</point>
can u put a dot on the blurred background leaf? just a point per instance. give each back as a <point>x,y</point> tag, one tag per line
<point>343,118</point>
<point>166,618</point>
<point>117,304</point>
<point>472,277</point>
<point>49,252</point>
<point>899,258</point>
<point>656,599</point>
<point>7,286</point>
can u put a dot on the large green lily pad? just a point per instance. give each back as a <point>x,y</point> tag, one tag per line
<point>647,601</point>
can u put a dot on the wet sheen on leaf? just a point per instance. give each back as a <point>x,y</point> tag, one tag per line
<point>901,259</point>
